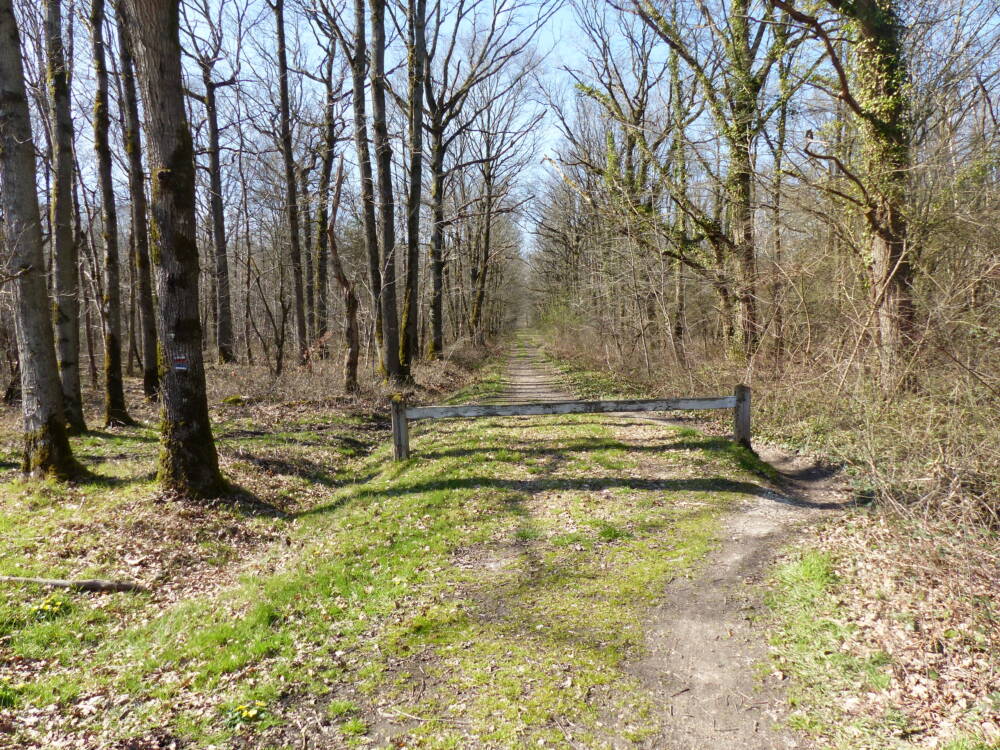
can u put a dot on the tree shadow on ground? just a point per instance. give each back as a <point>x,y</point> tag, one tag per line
<point>543,447</point>
<point>537,485</point>
<point>122,433</point>
<point>294,466</point>
<point>92,479</point>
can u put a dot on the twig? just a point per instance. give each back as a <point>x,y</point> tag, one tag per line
<point>396,713</point>
<point>89,584</point>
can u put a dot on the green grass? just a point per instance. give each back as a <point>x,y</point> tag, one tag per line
<point>807,636</point>
<point>488,384</point>
<point>595,384</point>
<point>567,553</point>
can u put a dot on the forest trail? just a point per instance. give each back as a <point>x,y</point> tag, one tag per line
<point>569,581</point>
<point>701,643</point>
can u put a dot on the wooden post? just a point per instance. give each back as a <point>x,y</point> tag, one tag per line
<point>400,429</point>
<point>741,415</point>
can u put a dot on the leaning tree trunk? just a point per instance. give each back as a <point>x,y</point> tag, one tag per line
<point>386,214</point>
<point>46,447</point>
<point>351,338</point>
<point>65,259</point>
<point>140,227</point>
<point>188,463</point>
<point>291,190</point>
<point>115,411</point>
<point>322,212</point>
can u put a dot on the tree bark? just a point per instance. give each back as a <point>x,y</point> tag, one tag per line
<point>140,226</point>
<point>359,61</point>
<point>417,52</point>
<point>65,266</point>
<point>437,241</point>
<point>46,446</point>
<point>223,303</point>
<point>322,213</point>
<point>291,190</point>
<point>188,461</point>
<point>307,255</point>
<point>351,339</point>
<point>115,411</point>
<point>386,213</point>
<point>480,272</point>
<point>741,133</point>
<point>880,83</point>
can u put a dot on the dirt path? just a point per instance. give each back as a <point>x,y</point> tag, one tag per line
<point>701,642</point>
<point>530,377</point>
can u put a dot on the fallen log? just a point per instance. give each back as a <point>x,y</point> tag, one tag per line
<point>87,584</point>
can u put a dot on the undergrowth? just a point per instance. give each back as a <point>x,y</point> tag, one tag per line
<point>886,624</point>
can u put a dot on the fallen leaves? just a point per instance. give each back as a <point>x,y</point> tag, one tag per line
<point>927,599</point>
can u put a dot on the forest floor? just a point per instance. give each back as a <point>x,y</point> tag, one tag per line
<point>566,581</point>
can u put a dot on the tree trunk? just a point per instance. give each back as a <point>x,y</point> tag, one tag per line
<point>880,83</point>
<point>350,298</point>
<point>137,194</point>
<point>781,134</point>
<point>222,300</point>
<point>307,255</point>
<point>291,190</point>
<point>65,257</point>
<point>437,241</point>
<point>188,460</point>
<point>417,49</point>
<point>741,227</point>
<point>322,213</point>
<point>741,133</point>
<point>386,214</point>
<point>480,272</point>
<point>46,447</point>
<point>359,58</point>
<point>115,411</point>
<point>132,352</point>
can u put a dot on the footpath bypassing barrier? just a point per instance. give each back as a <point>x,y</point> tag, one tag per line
<point>402,414</point>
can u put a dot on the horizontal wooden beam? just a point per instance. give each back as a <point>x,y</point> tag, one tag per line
<point>569,407</point>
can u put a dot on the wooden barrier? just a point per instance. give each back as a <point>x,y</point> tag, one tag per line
<point>402,414</point>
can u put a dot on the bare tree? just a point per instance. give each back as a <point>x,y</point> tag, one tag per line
<point>137,195</point>
<point>386,212</point>
<point>115,411</point>
<point>188,460</point>
<point>416,45</point>
<point>875,88</point>
<point>291,189</point>
<point>207,52</point>
<point>46,447</point>
<point>65,259</point>
<point>351,338</point>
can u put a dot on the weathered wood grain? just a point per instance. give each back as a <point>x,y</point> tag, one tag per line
<point>569,407</point>
<point>741,415</point>
<point>400,430</point>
